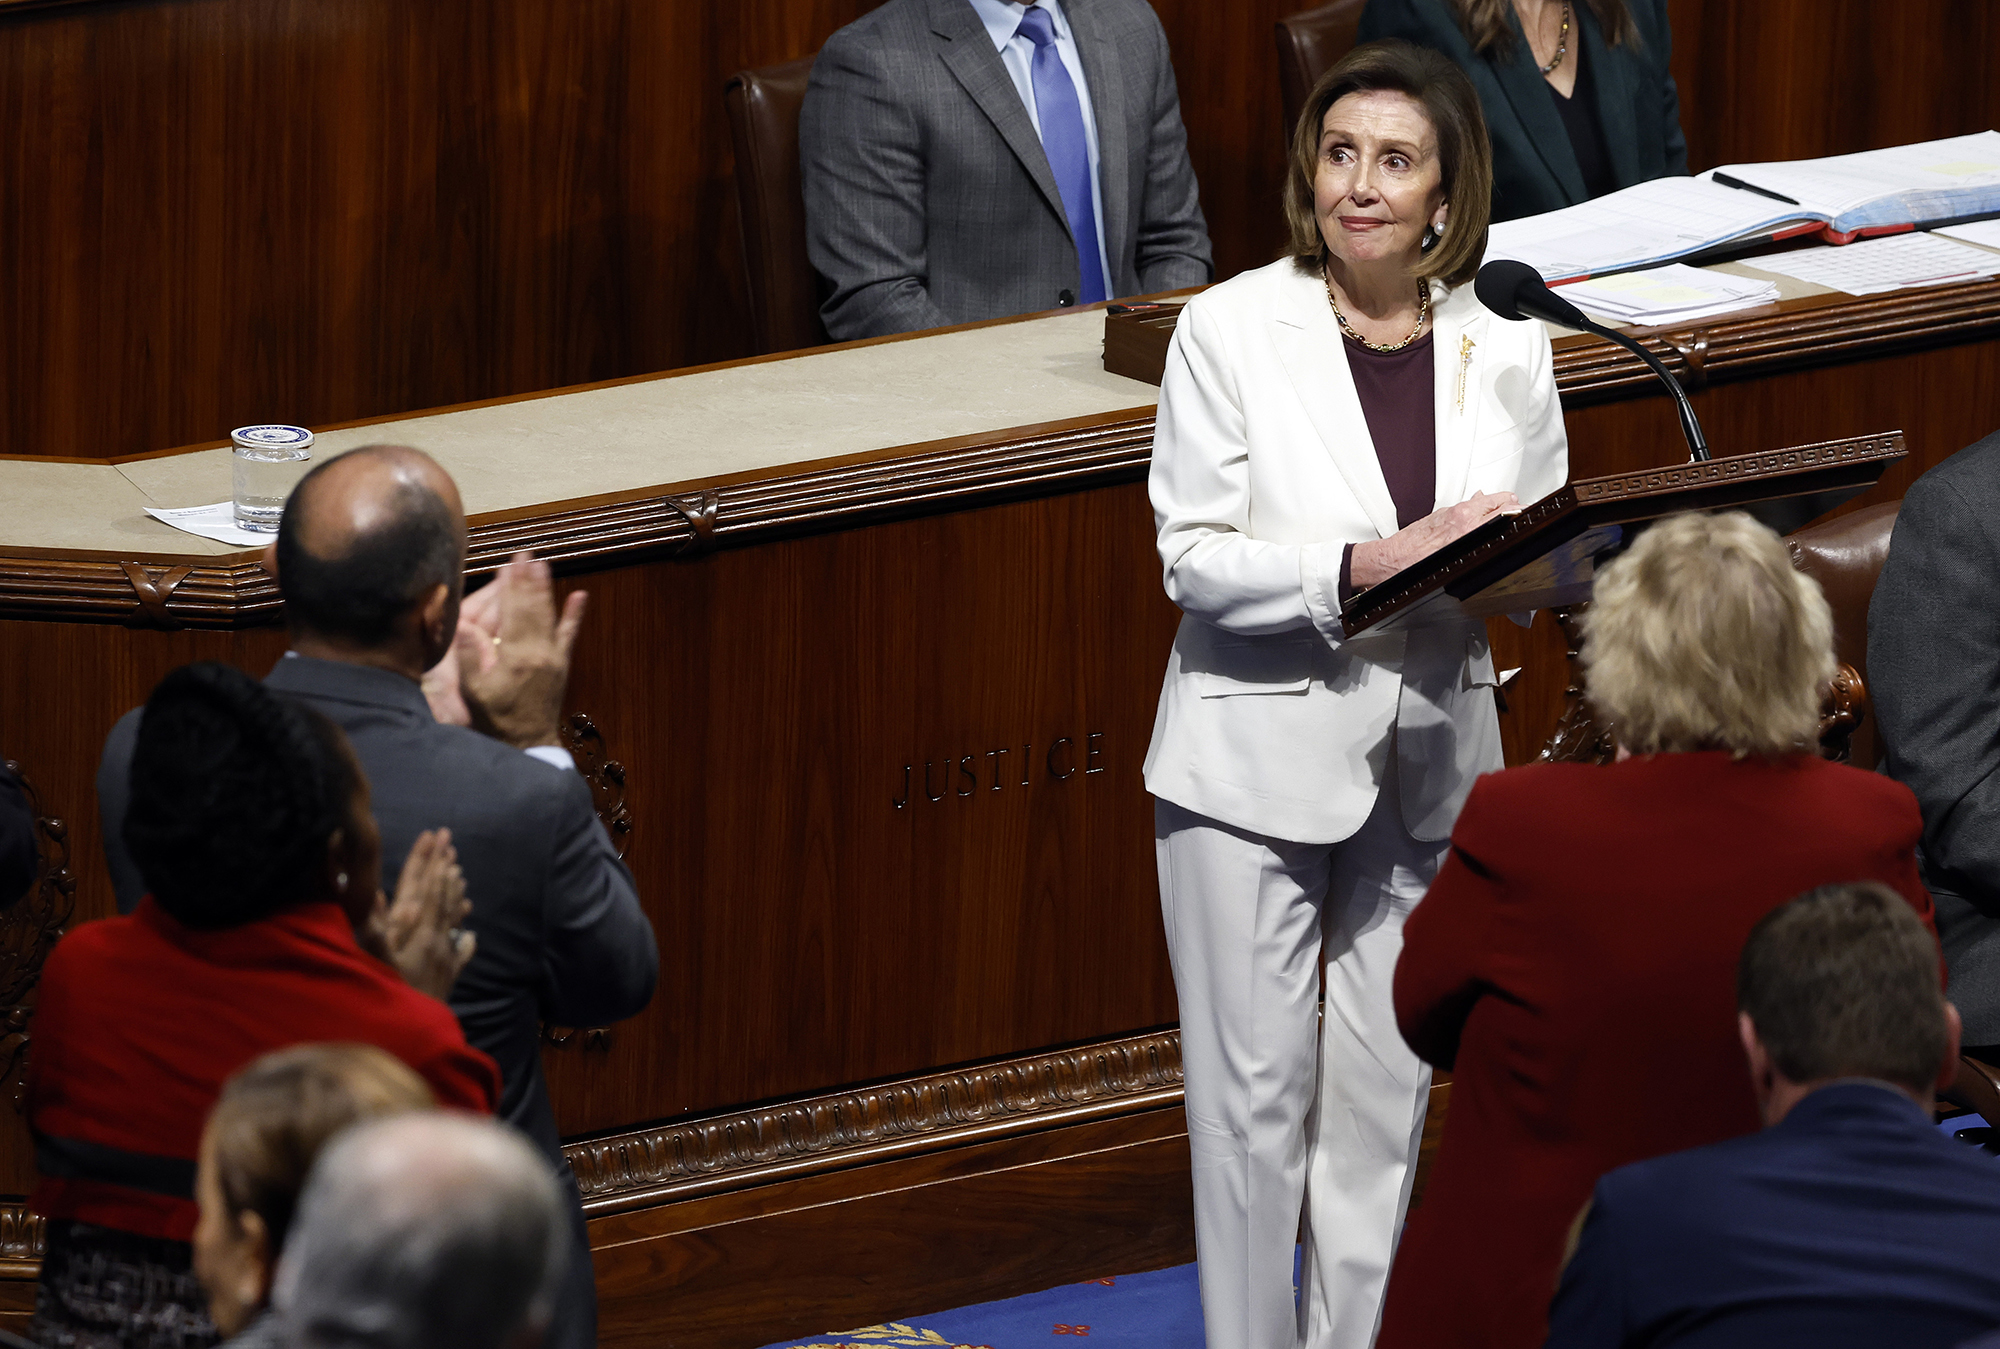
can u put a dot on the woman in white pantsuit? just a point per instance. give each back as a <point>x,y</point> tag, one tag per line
<point>1324,422</point>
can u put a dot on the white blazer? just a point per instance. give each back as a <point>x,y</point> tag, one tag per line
<point>1271,719</point>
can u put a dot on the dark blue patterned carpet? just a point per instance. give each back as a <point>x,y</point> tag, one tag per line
<point>1160,1310</point>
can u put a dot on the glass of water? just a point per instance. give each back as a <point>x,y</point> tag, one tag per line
<point>269,462</point>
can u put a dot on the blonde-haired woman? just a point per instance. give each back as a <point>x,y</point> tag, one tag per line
<point>1574,962</point>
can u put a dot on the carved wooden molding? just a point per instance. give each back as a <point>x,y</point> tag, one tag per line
<point>1723,349</point>
<point>237,592</point>
<point>23,1238</point>
<point>606,777</point>
<point>740,1148</point>
<point>1796,335</point>
<point>1578,737</point>
<point>28,932</point>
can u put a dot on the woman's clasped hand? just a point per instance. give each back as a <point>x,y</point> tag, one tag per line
<point>1377,560</point>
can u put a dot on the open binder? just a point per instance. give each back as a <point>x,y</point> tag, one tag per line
<point>1729,210</point>
<point>1548,554</point>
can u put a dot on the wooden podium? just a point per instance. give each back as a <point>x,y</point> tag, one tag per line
<point>1546,556</point>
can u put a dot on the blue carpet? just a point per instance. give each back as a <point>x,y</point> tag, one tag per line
<point>1160,1310</point>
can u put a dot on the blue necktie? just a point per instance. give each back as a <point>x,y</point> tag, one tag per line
<point>1061,116</point>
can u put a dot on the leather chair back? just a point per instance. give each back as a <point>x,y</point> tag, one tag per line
<point>784,294</point>
<point>1308,45</point>
<point>1845,555</point>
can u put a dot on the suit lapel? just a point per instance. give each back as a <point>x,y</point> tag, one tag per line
<point>1309,345</point>
<point>1532,100</point>
<point>1459,325</point>
<point>1611,79</point>
<point>1104,68</point>
<point>968,54</point>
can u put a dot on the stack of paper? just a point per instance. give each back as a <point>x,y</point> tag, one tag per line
<point>1885,264</point>
<point>1676,293</point>
<point>1985,233</point>
<point>1640,226</point>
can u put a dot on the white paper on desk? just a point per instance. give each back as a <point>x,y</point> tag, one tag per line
<point>1878,265</point>
<point>1983,232</point>
<point>216,522</point>
<point>1675,293</point>
<point>1637,226</point>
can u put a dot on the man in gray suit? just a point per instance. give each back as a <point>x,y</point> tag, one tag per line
<point>371,561</point>
<point>1934,681</point>
<point>971,159</point>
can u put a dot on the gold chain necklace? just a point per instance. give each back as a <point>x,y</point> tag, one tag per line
<point>1423,312</point>
<point>1562,43</point>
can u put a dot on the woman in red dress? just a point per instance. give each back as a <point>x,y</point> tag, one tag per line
<point>250,823</point>
<point>1573,964</point>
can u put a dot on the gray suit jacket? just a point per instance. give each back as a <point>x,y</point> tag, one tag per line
<point>561,935</point>
<point>928,198</point>
<point>1934,682</point>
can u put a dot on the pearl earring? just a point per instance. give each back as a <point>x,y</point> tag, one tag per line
<point>340,882</point>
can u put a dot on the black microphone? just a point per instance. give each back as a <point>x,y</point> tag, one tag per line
<point>1514,290</point>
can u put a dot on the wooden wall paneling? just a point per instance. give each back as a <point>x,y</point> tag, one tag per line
<point>899,1240</point>
<point>1795,79</point>
<point>815,933</point>
<point>1226,64</point>
<point>319,210</point>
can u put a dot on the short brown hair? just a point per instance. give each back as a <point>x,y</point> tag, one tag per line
<point>1843,982</point>
<point>1704,636</point>
<point>1484,23</point>
<point>275,1115</point>
<point>1466,159</point>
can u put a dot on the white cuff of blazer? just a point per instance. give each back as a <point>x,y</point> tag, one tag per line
<point>551,754</point>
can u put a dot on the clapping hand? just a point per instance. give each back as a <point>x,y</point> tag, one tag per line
<point>421,932</point>
<point>512,654</point>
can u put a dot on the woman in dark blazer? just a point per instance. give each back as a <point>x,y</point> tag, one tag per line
<point>1578,96</point>
<point>1574,963</point>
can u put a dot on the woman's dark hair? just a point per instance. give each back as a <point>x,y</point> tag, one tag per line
<point>1486,24</point>
<point>1464,155</point>
<point>235,792</point>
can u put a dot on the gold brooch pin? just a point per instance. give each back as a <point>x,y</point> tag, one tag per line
<point>1465,345</point>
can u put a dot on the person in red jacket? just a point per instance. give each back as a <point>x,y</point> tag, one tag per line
<point>1573,964</point>
<point>250,822</point>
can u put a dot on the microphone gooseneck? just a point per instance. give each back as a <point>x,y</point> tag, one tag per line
<point>1516,291</point>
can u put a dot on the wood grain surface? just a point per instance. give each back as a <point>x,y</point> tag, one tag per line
<point>227,211</point>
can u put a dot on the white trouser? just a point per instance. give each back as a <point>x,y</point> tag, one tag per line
<point>1285,1108</point>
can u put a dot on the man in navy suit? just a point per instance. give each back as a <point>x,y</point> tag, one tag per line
<point>1850,1220</point>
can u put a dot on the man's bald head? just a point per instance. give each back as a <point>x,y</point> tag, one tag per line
<point>434,1230</point>
<point>366,538</point>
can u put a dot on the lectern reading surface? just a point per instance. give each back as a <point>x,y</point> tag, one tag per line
<point>1546,555</point>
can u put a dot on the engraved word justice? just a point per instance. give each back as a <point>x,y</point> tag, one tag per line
<point>1002,769</point>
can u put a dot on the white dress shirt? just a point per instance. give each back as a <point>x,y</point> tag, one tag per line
<point>1003,21</point>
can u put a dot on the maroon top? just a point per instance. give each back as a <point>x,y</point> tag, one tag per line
<point>1397,390</point>
<point>1578,976</point>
